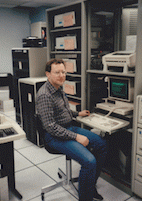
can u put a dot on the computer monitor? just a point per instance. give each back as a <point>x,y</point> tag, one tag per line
<point>121,88</point>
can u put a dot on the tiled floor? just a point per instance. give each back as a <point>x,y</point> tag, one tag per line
<point>35,168</point>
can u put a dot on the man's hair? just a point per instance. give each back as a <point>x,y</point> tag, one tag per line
<point>53,61</point>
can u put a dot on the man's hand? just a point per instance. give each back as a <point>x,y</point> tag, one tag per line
<point>84,113</point>
<point>82,140</point>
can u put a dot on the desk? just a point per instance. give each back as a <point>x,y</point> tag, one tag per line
<point>7,152</point>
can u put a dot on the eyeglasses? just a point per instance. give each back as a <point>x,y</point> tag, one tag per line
<point>57,73</point>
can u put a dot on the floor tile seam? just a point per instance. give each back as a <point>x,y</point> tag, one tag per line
<point>70,193</point>
<point>17,171</point>
<point>37,163</point>
<point>48,160</point>
<point>46,174</point>
<point>25,157</point>
<point>23,147</point>
<point>34,198</point>
<point>128,198</point>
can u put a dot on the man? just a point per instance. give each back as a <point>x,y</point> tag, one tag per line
<point>53,108</point>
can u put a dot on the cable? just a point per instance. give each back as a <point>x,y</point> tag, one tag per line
<point>114,110</point>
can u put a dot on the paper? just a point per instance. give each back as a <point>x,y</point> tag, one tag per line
<point>58,20</point>
<point>60,43</point>
<point>70,87</point>
<point>68,19</point>
<point>69,44</point>
<point>131,42</point>
<point>70,65</point>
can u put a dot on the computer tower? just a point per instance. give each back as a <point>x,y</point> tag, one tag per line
<point>27,62</point>
<point>28,88</point>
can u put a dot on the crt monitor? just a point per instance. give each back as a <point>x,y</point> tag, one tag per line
<point>121,88</point>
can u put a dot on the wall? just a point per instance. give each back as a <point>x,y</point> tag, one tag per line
<point>38,14</point>
<point>14,25</point>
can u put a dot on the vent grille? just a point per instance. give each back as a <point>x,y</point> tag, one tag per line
<point>133,22</point>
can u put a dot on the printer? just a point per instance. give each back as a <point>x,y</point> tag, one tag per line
<point>119,61</point>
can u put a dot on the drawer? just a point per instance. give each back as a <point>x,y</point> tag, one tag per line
<point>138,170</point>
<point>139,141</point>
<point>138,188</point>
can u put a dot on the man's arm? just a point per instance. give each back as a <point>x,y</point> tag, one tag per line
<point>84,113</point>
<point>81,138</point>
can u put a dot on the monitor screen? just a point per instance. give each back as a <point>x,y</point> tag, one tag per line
<point>120,88</point>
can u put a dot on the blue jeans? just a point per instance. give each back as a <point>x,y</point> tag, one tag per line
<point>91,158</point>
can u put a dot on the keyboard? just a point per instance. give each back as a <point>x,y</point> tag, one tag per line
<point>7,131</point>
<point>103,123</point>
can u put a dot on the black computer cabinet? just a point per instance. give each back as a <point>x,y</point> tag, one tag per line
<point>28,88</point>
<point>27,62</point>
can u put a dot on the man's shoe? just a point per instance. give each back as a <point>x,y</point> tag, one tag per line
<point>97,196</point>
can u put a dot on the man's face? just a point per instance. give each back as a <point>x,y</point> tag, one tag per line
<point>57,76</point>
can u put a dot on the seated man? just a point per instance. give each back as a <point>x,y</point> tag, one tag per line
<point>54,111</point>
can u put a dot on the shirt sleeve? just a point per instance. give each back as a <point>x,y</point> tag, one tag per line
<point>45,110</point>
<point>74,113</point>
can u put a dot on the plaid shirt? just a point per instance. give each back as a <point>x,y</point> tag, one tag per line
<point>53,108</point>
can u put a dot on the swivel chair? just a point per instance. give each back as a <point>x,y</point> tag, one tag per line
<point>68,180</point>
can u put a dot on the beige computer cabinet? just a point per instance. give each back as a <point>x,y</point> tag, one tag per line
<point>137,157</point>
<point>136,184</point>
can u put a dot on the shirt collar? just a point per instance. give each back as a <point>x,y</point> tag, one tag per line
<point>52,88</point>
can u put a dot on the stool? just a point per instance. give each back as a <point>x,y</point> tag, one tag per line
<point>68,180</point>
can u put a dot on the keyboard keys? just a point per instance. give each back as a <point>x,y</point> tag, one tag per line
<point>7,131</point>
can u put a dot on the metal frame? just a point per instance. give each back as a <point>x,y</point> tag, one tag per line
<point>68,180</point>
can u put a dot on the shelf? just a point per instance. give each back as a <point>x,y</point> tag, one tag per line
<point>65,29</point>
<point>66,52</point>
<point>73,75</point>
<point>74,97</point>
<point>111,73</point>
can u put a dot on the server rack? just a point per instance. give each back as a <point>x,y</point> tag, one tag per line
<point>27,62</point>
